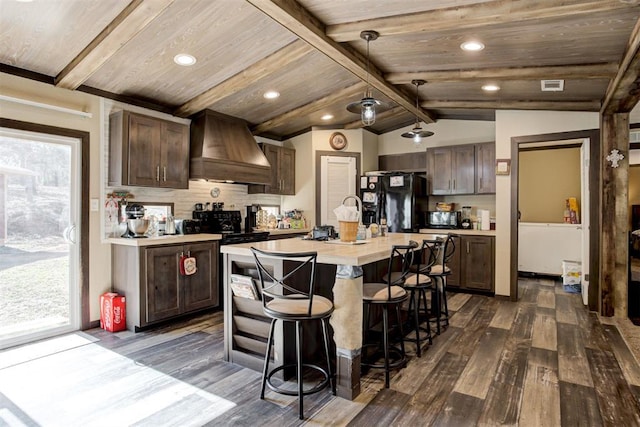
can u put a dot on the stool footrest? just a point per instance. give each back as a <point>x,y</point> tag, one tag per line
<point>312,390</point>
<point>394,353</point>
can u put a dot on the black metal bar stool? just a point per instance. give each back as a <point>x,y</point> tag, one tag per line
<point>289,297</point>
<point>439,273</point>
<point>384,295</point>
<point>418,284</point>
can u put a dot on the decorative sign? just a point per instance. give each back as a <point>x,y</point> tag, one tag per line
<point>503,166</point>
<point>337,141</point>
<point>396,181</point>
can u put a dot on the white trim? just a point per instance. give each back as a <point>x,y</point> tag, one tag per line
<point>46,106</point>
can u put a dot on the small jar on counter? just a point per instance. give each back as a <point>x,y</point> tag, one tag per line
<point>383,227</point>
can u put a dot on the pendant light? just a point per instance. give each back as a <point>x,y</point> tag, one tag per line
<point>417,133</point>
<point>367,106</point>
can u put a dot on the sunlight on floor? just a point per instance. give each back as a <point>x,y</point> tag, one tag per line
<point>86,384</point>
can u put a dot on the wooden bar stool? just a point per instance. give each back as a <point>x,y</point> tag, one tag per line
<point>391,293</point>
<point>289,297</point>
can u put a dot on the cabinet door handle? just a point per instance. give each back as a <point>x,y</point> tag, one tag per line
<point>164,173</point>
<point>449,185</point>
<point>454,184</point>
<point>158,173</point>
<point>468,250</point>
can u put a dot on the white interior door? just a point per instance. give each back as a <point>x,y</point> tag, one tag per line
<point>584,156</point>
<point>40,253</point>
<point>337,180</point>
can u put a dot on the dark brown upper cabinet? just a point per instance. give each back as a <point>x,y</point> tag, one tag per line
<point>485,168</point>
<point>451,170</point>
<point>283,171</point>
<point>147,152</point>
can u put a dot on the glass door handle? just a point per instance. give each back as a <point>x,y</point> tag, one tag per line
<point>69,234</point>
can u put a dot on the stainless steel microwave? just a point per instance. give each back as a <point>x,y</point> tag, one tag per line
<point>436,219</point>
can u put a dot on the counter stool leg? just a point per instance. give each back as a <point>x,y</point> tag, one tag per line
<point>299,362</point>
<point>404,355</point>
<point>325,334</point>
<point>385,343</point>
<point>423,296</point>
<point>266,359</point>
<point>416,320</point>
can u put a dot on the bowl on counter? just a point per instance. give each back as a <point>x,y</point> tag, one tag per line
<point>138,226</point>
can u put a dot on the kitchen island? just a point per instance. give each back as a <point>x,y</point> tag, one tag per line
<point>246,326</point>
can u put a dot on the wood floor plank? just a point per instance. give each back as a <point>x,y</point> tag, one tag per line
<point>410,379</point>
<point>382,410</point>
<point>544,332</point>
<point>460,410</point>
<point>479,372</point>
<point>546,297</point>
<point>541,394</point>
<point>467,342</point>
<point>508,381</point>
<point>565,311</point>
<point>426,404</point>
<point>579,405</point>
<point>628,364</point>
<point>618,405</point>
<point>505,314</point>
<point>468,311</point>
<point>573,366</point>
<point>529,292</point>
<point>457,300</point>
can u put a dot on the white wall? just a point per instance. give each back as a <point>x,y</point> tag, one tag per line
<point>510,124</point>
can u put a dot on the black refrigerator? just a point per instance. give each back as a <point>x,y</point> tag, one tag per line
<point>398,197</point>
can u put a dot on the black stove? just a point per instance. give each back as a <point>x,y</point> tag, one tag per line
<point>229,224</point>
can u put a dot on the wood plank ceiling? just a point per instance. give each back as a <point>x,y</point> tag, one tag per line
<point>310,51</point>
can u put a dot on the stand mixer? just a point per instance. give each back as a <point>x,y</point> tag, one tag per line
<point>466,217</point>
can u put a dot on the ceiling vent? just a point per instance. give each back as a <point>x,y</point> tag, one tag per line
<point>552,85</point>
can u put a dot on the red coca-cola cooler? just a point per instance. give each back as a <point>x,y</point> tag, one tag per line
<point>113,310</point>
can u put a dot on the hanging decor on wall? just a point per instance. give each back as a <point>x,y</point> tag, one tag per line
<point>615,157</point>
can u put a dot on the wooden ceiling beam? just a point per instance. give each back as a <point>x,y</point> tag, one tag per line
<point>261,69</point>
<point>588,71</point>
<point>472,16</point>
<point>623,92</point>
<point>516,105</point>
<point>299,21</point>
<point>312,107</point>
<point>385,115</point>
<point>133,19</point>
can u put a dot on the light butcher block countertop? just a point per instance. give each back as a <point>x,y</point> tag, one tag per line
<point>333,252</point>
<point>164,240</point>
<point>459,231</point>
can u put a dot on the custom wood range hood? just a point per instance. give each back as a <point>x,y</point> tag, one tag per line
<point>223,149</point>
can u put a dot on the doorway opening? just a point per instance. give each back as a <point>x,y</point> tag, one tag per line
<point>41,275</point>
<point>588,236</point>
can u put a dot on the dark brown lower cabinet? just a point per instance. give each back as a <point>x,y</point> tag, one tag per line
<point>155,290</point>
<point>472,266</point>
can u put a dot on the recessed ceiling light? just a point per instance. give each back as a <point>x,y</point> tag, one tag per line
<point>490,88</point>
<point>472,46</point>
<point>272,94</point>
<point>327,117</point>
<point>184,59</point>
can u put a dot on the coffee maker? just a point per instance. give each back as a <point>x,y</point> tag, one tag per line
<point>251,218</point>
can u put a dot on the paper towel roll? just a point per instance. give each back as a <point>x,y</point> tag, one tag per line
<point>485,220</point>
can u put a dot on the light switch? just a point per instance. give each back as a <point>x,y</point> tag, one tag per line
<point>94,205</point>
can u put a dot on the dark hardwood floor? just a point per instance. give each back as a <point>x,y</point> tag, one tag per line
<point>543,361</point>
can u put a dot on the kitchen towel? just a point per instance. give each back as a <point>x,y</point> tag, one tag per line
<point>485,220</point>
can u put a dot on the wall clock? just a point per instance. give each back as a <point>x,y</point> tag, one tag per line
<point>337,141</point>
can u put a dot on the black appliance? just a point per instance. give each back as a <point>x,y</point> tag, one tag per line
<point>227,223</point>
<point>251,218</point>
<point>397,197</point>
<point>438,219</point>
<point>323,232</point>
<point>188,226</point>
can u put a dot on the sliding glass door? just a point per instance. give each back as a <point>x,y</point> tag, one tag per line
<point>39,235</point>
